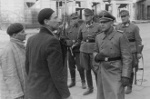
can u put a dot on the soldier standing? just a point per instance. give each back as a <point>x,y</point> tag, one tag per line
<point>74,53</point>
<point>113,54</point>
<point>86,37</point>
<point>132,32</point>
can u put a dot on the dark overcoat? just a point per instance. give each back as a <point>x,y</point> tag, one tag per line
<point>46,74</point>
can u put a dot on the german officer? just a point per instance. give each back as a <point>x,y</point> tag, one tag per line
<point>74,54</point>
<point>113,54</point>
<point>86,37</point>
<point>132,32</point>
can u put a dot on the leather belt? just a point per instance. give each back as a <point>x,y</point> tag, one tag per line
<point>110,59</point>
<point>89,40</point>
<point>131,40</point>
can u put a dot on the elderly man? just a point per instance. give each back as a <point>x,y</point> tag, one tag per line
<point>13,63</point>
<point>46,72</point>
<point>132,32</point>
<point>113,54</point>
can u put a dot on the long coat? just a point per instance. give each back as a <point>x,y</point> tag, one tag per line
<point>12,63</point>
<point>110,72</point>
<point>46,74</point>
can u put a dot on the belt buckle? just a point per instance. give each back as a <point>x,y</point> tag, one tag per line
<point>106,59</point>
<point>87,40</point>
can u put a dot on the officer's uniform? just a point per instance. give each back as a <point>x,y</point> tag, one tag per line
<point>74,54</point>
<point>132,32</point>
<point>112,53</point>
<point>86,37</point>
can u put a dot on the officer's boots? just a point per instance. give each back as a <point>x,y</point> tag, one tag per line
<point>83,85</point>
<point>128,90</point>
<point>73,83</point>
<point>89,91</point>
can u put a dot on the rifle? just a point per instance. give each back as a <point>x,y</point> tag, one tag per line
<point>140,48</point>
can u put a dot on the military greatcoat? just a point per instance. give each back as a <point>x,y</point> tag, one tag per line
<point>110,72</point>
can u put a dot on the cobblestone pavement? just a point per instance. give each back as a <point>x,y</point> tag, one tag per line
<point>139,91</point>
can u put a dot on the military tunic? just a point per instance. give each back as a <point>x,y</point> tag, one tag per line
<point>110,72</point>
<point>86,37</point>
<point>74,54</point>
<point>132,32</point>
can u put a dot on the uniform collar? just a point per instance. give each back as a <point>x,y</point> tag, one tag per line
<point>110,34</point>
<point>90,24</point>
<point>126,24</point>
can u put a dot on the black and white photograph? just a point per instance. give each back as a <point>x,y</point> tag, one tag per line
<point>74,49</point>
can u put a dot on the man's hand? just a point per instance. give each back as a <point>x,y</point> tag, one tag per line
<point>125,81</point>
<point>139,55</point>
<point>99,56</point>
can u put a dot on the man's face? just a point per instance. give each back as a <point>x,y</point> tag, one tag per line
<point>20,36</point>
<point>88,18</point>
<point>105,25</point>
<point>74,21</point>
<point>54,21</point>
<point>124,17</point>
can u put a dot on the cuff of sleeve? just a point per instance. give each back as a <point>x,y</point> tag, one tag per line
<point>126,73</point>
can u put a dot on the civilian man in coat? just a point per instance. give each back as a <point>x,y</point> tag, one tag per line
<point>113,54</point>
<point>46,73</point>
<point>86,37</point>
<point>74,53</point>
<point>132,32</point>
<point>13,64</point>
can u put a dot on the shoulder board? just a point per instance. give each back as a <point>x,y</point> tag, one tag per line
<point>120,31</point>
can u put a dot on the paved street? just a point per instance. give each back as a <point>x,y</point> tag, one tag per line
<point>139,91</point>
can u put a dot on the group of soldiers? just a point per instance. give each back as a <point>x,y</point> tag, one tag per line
<point>39,69</point>
<point>81,43</point>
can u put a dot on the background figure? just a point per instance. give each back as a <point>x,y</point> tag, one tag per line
<point>86,37</point>
<point>46,73</point>
<point>73,52</point>
<point>113,54</point>
<point>132,32</point>
<point>13,63</point>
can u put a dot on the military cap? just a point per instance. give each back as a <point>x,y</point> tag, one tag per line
<point>124,12</point>
<point>105,16</point>
<point>14,28</point>
<point>88,12</point>
<point>44,14</point>
<point>74,15</point>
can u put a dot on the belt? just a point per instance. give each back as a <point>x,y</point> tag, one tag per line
<point>89,40</point>
<point>110,59</point>
<point>131,40</point>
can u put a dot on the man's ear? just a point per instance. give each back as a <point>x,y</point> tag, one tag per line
<point>46,22</point>
<point>14,35</point>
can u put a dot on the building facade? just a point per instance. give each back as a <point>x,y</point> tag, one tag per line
<point>26,11</point>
